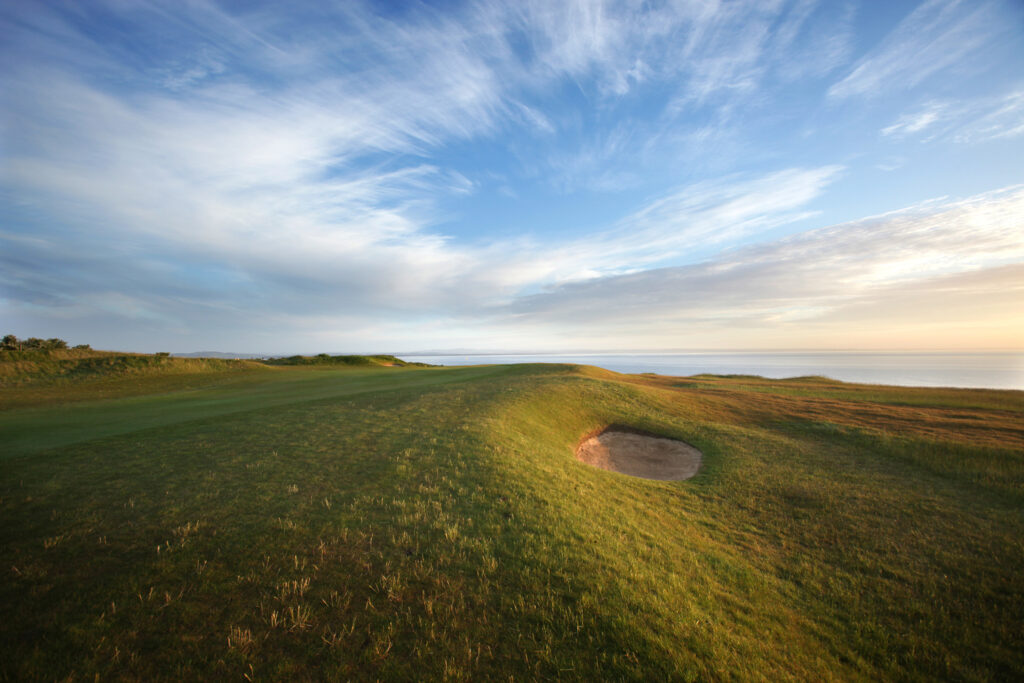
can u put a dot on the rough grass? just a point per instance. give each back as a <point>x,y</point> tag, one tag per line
<point>69,375</point>
<point>36,367</point>
<point>399,523</point>
<point>324,359</point>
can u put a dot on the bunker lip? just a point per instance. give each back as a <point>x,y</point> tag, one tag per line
<point>623,449</point>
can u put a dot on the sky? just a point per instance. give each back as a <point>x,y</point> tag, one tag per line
<point>562,176</point>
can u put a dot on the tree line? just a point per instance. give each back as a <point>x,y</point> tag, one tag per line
<point>12,343</point>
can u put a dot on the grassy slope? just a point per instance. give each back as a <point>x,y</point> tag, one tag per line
<point>324,359</point>
<point>396,522</point>
<point>69,375</point>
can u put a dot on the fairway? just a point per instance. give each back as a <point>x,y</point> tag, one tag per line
<point>398,523</point>
<point>31,429</point>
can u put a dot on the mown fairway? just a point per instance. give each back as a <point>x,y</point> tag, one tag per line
<point>273,523</point>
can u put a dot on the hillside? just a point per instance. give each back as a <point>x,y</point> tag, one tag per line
<point>66,375</point>
<point>24,367</point>
<point>327,360</point>
<point>390,523</point>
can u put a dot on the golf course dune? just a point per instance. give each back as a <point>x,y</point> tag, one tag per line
<point>357,522</point>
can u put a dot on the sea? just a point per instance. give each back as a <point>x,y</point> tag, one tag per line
<point>994,370</point>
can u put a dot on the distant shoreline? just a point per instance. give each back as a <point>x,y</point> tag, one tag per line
<point>975,370</point>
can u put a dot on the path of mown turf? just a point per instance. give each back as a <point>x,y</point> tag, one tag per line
<point>30,430</point>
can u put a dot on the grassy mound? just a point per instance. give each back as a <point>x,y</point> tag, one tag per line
<point>28,367</point>
<point>324,359</point>
<point>434,523</point>
<point>67,375</point>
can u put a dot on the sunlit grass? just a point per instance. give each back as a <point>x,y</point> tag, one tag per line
<point>399,523</point>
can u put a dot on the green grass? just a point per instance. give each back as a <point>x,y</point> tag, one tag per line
<point>324,359</point>
<point>69,375</point>
<point>20,368</point>
<point>359,522</point>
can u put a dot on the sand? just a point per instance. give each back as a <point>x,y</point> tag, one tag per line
<point>640,455</point>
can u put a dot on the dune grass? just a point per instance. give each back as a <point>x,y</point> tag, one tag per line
<point>432,523</point>
<point>50,377</point>
<point>323,359</point>
<point>41,367</point>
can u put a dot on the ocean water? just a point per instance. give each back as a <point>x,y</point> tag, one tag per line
<point>997,370</point>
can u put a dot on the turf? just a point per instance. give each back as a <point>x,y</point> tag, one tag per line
<point>359,522</point>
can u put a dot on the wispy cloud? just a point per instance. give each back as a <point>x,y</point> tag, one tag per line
<point>936,36</point>
<point>964,122</point>
<point>934,254</point>
<point>290,181</point>
<point>909,124</point>
<point>689,221</point>
<point>1003,118</point>
<point>708,66</point>
<point>717,212</point>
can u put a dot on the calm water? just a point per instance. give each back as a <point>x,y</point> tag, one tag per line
<point>988,370</point>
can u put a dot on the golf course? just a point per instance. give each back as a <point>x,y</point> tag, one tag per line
<point>360,518</point>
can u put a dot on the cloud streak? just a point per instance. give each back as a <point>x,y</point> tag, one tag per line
<point>937,35</point>
<point>966,122</point>
<point>933,254</point>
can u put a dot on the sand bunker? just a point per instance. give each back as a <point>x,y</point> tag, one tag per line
<point>640,455</point>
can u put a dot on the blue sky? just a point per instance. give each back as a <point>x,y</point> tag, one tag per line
<point>563,176</point>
